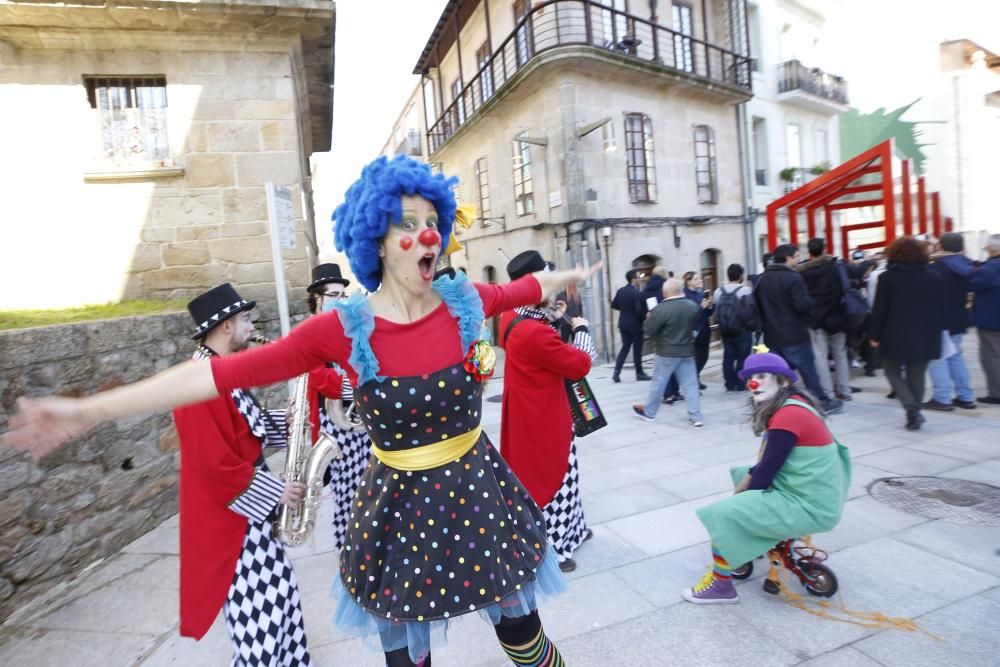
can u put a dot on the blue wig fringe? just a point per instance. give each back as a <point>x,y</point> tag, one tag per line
<point>373,201</point>
<point>359,322</point>
<point>464,304</point>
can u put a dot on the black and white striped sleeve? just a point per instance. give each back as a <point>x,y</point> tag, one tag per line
<point>582,340</point>
<point>260,498</point>
<point>275,429</point>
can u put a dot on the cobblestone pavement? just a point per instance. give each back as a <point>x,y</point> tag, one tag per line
<point>641,484</point>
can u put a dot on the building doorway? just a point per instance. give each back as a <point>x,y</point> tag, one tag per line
<point>710,269</point>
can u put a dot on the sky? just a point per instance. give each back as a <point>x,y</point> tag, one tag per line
<point>886,49</point>
<point>377,44</point>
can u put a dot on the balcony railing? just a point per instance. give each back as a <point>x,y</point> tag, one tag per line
<point>793,75</point>
<point>559,23</point>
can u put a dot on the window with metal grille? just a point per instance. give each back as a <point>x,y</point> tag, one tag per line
<point>524,189</point>
<point>704,164</point>
<point>132,112</point>
<point>639,158</point>
<point>483,179</point>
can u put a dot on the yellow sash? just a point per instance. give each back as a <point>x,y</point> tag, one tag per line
<point>429,456</point>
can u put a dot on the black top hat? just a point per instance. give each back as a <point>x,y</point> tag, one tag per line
<point>527,262</point>
<point>214,307</point>
<point>326,273</point>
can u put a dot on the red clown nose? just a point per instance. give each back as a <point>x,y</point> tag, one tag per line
<point>752,385</point>
<point>429,238</point>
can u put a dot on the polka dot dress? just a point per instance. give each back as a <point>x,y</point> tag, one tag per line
<point>431,544</point>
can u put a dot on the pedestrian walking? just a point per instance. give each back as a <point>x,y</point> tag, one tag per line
<point>907,323</point>
<point>950,376</point>
<point>694,289</point>
<point>736,316</point>
<point>827,325</point>
<point>985,283</point>
<point>630,317</point>
<point>671,325</point>
<point>784,305</point>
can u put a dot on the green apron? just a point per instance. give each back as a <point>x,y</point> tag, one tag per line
<point>807,496</point>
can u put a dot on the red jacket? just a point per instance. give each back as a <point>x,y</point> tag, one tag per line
<point>218,452</point>
<point>536,426</point>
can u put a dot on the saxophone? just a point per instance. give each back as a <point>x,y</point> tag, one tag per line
<point>305,462</point>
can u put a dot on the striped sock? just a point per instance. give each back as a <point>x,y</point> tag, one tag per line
<point>720,566</point>
<point>539,652</point>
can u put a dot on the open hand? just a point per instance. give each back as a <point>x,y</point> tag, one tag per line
<point>41,425</point>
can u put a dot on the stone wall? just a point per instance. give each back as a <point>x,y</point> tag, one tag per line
<point>234,119</point>
<point>103,490</point>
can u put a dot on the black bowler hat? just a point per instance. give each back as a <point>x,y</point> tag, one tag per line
<point>215,306</point>
<point>527,262</point>
<point>326,273</point>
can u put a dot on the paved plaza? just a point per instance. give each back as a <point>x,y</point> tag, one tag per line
<point>641,484</point>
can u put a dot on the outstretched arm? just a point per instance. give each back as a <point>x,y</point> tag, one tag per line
<point>552,281</point>
<point>42,424</point>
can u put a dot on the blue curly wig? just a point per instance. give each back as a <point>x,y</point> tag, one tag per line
<point>373,201</point>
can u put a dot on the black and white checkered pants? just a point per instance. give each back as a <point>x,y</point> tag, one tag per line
<point>263,611</point>
<point>345,473</point>
<point>564,519</point>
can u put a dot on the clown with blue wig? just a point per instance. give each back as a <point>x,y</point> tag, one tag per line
<point>440,526</point>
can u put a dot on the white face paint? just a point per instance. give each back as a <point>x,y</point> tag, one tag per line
<point>763,386</point>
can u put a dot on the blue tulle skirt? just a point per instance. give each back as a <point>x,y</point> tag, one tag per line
<point>419,637</point>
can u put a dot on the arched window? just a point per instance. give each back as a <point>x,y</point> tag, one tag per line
<point>710,268</point>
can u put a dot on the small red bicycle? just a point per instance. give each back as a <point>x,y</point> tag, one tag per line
<point>804,561</point>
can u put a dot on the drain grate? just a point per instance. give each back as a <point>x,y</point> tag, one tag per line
<point>954,500</point>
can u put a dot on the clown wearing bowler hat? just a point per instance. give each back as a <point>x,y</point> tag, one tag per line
<point>330,398</point>
<point>797,487</point>
<point>230,561</point>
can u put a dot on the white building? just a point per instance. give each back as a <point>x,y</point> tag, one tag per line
<point>963,144</point>
<point>791,122</point>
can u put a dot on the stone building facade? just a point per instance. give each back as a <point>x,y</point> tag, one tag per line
<point>589,131</point>
<point>138,138</point>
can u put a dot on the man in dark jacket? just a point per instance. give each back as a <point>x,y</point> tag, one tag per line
<point>652,293</point>
<point>784,305</point>
<point>630,317</point>
<point>985,283</point>
<point>827,327</point>
<point>950,377</point>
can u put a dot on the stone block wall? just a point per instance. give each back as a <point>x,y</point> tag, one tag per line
<point>100,492</point>
<point>232,123</point>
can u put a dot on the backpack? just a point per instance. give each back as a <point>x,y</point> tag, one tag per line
<point>733,313</point>
<point>853,304</point>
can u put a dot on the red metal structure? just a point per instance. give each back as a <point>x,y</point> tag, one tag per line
<point>863,181</point>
